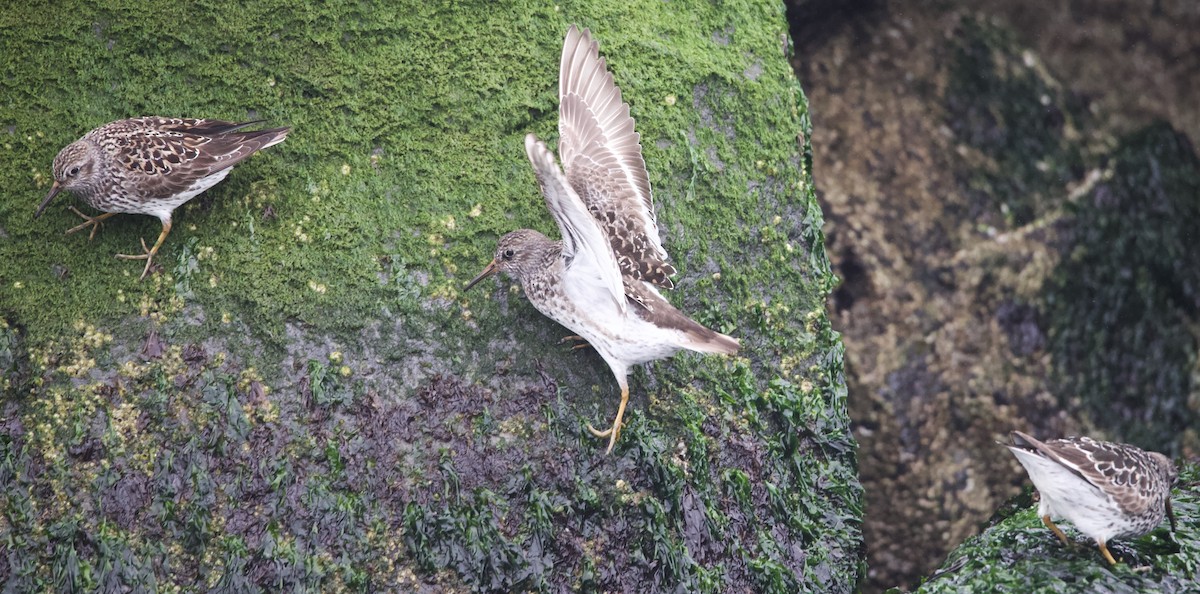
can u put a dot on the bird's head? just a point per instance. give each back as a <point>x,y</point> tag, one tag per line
<point>518,254</point>
<point>74,168</point>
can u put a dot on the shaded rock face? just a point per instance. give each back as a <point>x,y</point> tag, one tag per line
<point>1124,306</point>
<point>1013,255</point>
<point>301,398</point>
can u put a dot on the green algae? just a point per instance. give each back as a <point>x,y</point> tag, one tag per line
<point>1017,553</point>
<point>306,351</point>
<point>13,360</point>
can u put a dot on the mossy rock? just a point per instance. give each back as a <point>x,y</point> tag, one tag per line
<point>303,399</point>
<point>1018,554</point>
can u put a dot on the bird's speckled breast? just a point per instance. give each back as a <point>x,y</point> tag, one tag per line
<point>628,339</point>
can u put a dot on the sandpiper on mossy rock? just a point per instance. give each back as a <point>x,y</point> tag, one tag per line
<point>302,397</point>
<point>1016,553</point>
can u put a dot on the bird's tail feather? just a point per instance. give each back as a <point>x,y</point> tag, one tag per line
<point>710,341</point>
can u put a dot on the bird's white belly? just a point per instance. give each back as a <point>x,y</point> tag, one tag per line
<point>1096,517</point>
<point>1067,496</point>
<point>626,338</point>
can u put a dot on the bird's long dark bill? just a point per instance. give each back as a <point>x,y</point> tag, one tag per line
<point>490,270</point>
<point>54,190</point>
<point>1170,514</point>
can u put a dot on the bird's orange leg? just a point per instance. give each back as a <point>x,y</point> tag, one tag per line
<point>1104,551</point>
<point>615,430</point>
<point>95,222</point>
<point>1055,529</point>
<point>573,337</point>
<point>148,256</point>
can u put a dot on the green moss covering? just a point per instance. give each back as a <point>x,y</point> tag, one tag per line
<point>1018,554</point>
<point>306,352</point>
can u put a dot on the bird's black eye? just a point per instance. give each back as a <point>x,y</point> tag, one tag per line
<point>74,171</point>
<point>508,254</point>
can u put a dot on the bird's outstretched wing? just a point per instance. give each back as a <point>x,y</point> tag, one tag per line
<point>602,156</point>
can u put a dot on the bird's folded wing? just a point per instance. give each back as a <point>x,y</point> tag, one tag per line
<point>170,155</point>
<point>589,264</point>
